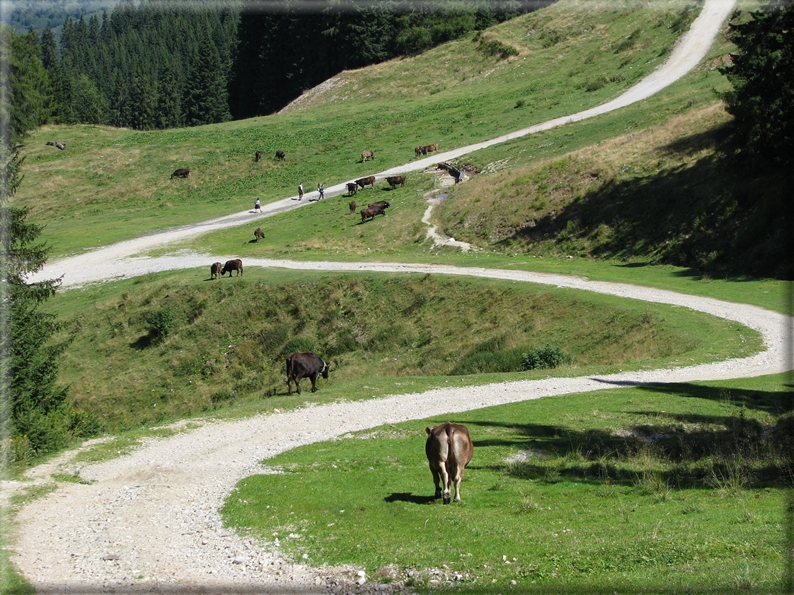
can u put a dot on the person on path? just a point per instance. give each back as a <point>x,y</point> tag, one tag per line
<point>300,191</point>
<point>321,190</point>
<point>257,206</point>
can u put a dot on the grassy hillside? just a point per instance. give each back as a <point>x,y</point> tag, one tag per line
<point>161,347</point>
<point>112,184</point>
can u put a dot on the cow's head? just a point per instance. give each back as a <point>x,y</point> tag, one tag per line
<point>325,370</point>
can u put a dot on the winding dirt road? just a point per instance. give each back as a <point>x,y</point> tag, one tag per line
<point>148,521</point>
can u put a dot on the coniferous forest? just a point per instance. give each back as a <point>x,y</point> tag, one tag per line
<point>159,64</point>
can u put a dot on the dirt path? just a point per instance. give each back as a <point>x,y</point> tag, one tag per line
<point>148,522</point>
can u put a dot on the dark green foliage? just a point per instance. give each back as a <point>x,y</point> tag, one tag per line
<point>762,74</point>
<point>161,322</point>
<point>544,357</point>
<point>35,411</point>
<point>494,47</point>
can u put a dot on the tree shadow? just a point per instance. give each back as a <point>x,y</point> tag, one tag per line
<point>683,449</point>
<point>707,215</point>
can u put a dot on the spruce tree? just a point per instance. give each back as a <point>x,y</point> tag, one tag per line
<point>207,100</point>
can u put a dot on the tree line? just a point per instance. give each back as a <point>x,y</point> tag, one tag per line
<point>160,64</point>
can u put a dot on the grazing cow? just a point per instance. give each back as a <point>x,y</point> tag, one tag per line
<point>395,180</point>
<point>367,154</point>
<point>419,150</point>
<point>370,212</point>
<point>352,206</point>
<point>259,234</point>
<point>352,188</point>
<point>258,156</point>
<point>215,270</point>
<point>280,155</point>
<point>51,143</point>
<point>61,146</point>
<point>306,364</point>
<point>381,204</point>
<point>181,173</point>
<point>449,449</point>
<point>363,182</point>
<point>233,265</point>
<point>430,148</point>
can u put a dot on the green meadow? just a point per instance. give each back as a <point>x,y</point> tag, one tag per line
<point>665,488</point>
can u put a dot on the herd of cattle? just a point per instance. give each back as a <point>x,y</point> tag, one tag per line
<point>449,447</point>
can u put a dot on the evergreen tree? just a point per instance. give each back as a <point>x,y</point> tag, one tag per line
<point>49,49</point>
<point>29,87</point>
<point>762,75</point>
<point>206,101</point>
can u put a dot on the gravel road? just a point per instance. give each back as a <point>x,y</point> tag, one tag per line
<point>148,521</point>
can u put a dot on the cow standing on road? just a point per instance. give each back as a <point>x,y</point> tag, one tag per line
<point>306,364</point>
<point>449,449</point>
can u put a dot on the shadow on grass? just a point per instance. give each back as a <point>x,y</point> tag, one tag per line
<point>712,215</point>
<point>679,450</point>
<point>409,497</point>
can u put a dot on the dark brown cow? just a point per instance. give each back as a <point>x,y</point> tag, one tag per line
<point>370,212</point>
<point>419,150</point>
<point>181,173</point>
<point>259,234</point>
<point>363,182</point>
<point>381,204</point>
<point>449,449</point>
<point>215,270</point>
<point>394,181</point>
<point>431,148</point>
<point>306,364</point>
<point>258,156</point>
<point>352,188</point>
<point>280,155</point>
<point>352,206</point>
<point>233,265</point>
<point>367,154</point>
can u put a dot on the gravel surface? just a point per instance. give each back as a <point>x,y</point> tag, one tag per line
<point>148,521</point>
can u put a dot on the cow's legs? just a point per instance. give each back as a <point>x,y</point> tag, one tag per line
<point>436,481</point>
<point>445,478</point>
<point>458,478</point>
<point>313,378</point>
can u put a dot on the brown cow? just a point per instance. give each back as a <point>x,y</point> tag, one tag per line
<point>352,188</point>
<point>431,148</point>
<point>233,265</point>
<point>363,182</point>
<point>302,365</point>
<point>367,154</point>
<point>280,155</point>
<point>259,234</point>
<point>181,173</point>
<point>215,270</point>
<point>381,204</point>
<point>258,156</point>
<point>370,212</point>
<point>449,449</point>
<point>395,180</point>
<point>352,206</point>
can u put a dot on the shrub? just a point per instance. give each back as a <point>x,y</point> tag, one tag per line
<point>545,357</point>
<point>161,322</point>
<point>494,47</point>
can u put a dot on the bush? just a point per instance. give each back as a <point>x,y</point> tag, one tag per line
<point>161,322</point>
<point>494,47</point>
<point>545,357</point>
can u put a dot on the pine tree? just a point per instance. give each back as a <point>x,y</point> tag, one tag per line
<point>762,75</point>
<point>206,101</point>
